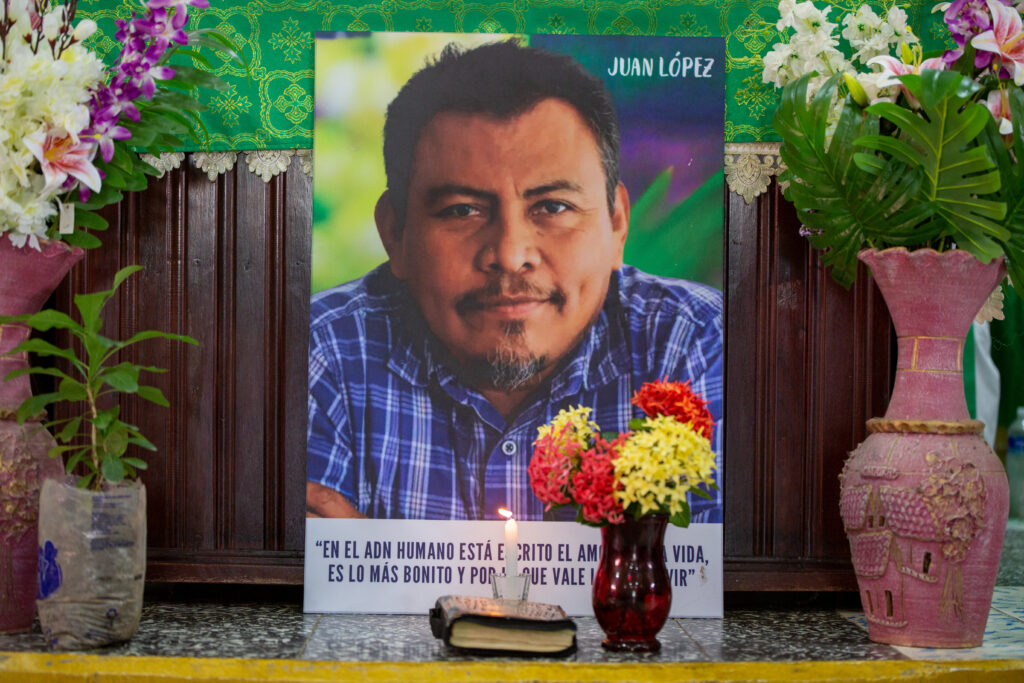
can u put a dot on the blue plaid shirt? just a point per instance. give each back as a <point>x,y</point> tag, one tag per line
<point>394,431</point>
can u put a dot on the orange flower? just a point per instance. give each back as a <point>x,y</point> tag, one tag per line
<point>678,400</point>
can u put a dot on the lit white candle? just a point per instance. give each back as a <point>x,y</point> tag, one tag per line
<point>511,543</point>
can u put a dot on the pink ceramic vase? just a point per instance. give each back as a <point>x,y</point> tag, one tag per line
<point>924,499</point>
<point>27,278</point>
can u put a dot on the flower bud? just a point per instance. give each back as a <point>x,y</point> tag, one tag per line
<point>52,24</point>
<point>857,91</point>
<point>906,54</point>
<point>85,28</point>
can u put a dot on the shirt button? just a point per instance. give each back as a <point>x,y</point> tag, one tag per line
<point>508,447</point>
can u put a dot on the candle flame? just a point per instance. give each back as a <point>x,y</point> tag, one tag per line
<point>507,514</point>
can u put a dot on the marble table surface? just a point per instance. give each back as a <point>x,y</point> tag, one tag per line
<point>268,623</point>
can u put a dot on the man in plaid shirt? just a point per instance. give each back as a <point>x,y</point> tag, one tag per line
<point>504,299</point>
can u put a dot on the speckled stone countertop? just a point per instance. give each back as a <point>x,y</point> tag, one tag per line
<point>268,623</point>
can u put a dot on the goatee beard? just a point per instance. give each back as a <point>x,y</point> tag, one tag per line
<point>507,368</point>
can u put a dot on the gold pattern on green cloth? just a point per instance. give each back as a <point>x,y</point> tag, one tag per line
<point>272,107</point>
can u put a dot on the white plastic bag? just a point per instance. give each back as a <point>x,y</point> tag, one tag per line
<point>92,563</point>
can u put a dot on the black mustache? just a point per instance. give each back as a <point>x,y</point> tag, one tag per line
<point>507,286</point>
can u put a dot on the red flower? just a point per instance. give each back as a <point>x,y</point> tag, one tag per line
<point>593,484</point>
<point>678,400</point>
<point>549,468</point>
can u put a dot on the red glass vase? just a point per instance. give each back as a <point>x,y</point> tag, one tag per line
<point>632,592</point>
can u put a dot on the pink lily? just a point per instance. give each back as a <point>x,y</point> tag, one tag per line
<point>998,104</point>
<point>892,68</point>
<point>1005,38</point>
<point>61,157</point>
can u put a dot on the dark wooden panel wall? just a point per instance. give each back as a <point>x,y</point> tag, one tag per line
<point>228,263</point>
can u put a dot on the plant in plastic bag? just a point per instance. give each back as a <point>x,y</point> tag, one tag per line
<point>96,438</point>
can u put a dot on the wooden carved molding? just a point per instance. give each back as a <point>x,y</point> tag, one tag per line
<point>749,167</point>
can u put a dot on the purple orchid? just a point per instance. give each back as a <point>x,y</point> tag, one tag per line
<point>146,39</point>
<point>966,19</point>
<point>143,71</point>
<point>178,5</point>
<point>164,26</point>
<point>105,131</point>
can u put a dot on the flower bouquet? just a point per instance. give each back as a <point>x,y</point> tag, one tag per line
<point>885,146</point>
<point>61,108</point>
<point>648,470</point>
<point>631,484</point>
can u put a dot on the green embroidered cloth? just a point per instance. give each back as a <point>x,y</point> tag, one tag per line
<point>272,108</point>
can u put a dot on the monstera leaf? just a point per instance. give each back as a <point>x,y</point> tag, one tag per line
<point>941,141</point>
<point>1012,191</point>
<point>845,206</point>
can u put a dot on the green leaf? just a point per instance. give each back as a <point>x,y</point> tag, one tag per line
<point>637,423</point>
<point>34,370</point>
<point>203,61</point>
<point>97,200</point>
<point>72,390</point>
<point>143,442</point>
<point>85,480</point>
<point>701,493</point>
<point>178,101</point>
<point>41,347</point>
<point>104,418</point>
<point>124,178</point>
<point>70,430</point>
<point>217,41</point>
<point>122,275</point>
<point>941,140</point>
<point>121,378</point>
<point>113,470</point>
<point>58,451</point>
<point>34,405</point>
<point>198,78</point>
<point>90,220</point>
<point>153,395</point>
<point>116,442</point>
<point>1012,190</point>
<point>156,334</point>
<point>681,518</point>
<point>142,134</point>
<point>49,318</point>
<point>136,463</point>
<point>89,307</point>
<point>844,205</point>
<point>172,121</point>
<point>80,238</point>
<point>114,177</point>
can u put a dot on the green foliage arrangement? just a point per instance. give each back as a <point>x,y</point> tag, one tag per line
<point>903,151</point>
<point>97,437</point>
<point>942,177</point>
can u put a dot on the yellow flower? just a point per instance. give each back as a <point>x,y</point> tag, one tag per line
<point>656,466</point>
<point>572,425</point>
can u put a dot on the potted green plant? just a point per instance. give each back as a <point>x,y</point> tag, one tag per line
<point>71,131</point>
<point>92,527</point>
<point>912,165</point>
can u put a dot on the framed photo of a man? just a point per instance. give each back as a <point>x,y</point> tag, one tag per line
<point>504,227</point>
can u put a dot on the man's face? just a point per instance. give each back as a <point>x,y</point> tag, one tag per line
<point>508,244</point>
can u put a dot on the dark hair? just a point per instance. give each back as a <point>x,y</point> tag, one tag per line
<point>499,79</point>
